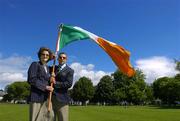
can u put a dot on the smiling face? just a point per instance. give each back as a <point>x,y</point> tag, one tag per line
<point>44,57</point>
<point>62,58</point>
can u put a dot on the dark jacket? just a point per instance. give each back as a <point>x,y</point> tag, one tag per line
<point>38,79</point>
<point>64,80</point>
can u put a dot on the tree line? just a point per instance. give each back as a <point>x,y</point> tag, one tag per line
<point>117,89</point>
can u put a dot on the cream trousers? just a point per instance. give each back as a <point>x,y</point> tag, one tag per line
<point>39,112</point>
<point>61,110</point>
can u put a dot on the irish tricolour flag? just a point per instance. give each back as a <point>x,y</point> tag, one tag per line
<point>119,55</point>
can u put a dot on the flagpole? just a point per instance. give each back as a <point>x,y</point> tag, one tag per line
<point>53,67</point>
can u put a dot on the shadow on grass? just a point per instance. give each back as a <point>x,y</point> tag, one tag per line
<point>165,107</point>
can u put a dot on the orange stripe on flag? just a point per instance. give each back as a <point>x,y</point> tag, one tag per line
<point>119,55</point>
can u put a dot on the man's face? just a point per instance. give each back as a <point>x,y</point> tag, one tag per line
<point>62,59</point>
<point>44,56</point>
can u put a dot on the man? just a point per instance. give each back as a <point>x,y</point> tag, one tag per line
<point>38,78</point>
<point>62,82</point>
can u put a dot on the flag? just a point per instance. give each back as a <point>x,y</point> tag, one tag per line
<point>119,55</point>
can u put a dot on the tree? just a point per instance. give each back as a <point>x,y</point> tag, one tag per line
<point>136,90</point>
<point>83,90</point>
<point>136,95</point>
<point>120,83</point>
<point>177,76</point>
<point>119,95</point>
<point>18,91</point>
<point>178,69</point>
<point>6,97</point>
<point>172,91</point>
<point>104,90</point>
<point>177,65</point>
<point>167,89</point>
<point>149,94</point>
<point>120,80</point>
<point>131,89</point>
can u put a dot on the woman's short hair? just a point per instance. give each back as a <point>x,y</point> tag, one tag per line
<point>42,49</point>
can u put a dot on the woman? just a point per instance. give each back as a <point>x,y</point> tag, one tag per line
<point>38,78</point>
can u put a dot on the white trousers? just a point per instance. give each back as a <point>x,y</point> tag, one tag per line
<point>61,110</point>
<point>39,112</point>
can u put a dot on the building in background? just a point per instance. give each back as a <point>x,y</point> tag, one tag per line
<point>2,93</point>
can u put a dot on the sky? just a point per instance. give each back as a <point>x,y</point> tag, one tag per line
<point>149,29</point>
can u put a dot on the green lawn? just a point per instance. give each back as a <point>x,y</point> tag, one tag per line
<point>19,112</point>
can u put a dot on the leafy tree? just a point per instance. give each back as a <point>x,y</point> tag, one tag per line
<point>119,95</point>
<point>120,80</point>
<point>177,68</point>
<point>177,76</point>
<point>135,94</point>
<point>137,88</point>
<point>120,83</point>
<point>17,91</point>
<point>83,90</point>
<point>104,89</point>
<point>172,90</point>
<point>177,65</point>
<point>6,97</point>
<point>149,93</point>
<point>167,89</point>
<point>130,89</point>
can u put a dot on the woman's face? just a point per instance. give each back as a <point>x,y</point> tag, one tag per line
<point>44,56</point>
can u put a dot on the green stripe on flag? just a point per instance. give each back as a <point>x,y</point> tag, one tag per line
<point>70,34</point>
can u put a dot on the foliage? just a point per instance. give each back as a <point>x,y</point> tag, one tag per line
<point>17,91</point>
<point>120,80</point>
<point>104,89</point>
<point>136,89</point>
<point>132,89</point>
<point>119,95</point>
<point>177,65</point>
<point>149,94</point>
<point>83,90</point>
<point>177,76</point>
<point>167,89</point>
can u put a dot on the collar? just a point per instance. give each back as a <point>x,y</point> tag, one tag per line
<point>62,66</point>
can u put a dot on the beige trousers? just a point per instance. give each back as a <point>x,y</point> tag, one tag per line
<point>61,111</point>
<point>39,112</point>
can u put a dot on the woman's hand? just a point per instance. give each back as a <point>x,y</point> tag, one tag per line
<point>52,80</point>
<point>49,88</point>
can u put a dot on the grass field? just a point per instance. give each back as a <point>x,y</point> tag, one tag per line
<point>19,112</point>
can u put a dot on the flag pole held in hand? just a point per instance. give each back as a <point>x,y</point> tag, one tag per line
<point>50,93</point>
<point>53,70</point>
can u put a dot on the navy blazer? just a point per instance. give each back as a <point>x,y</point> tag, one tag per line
<point>38,79</point>
<point>64,80</point>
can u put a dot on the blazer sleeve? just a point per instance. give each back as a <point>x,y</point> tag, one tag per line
<point>68,81</point>
<point>33,78</point>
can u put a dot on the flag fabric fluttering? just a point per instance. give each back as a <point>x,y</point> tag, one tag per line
<point>118,54</point>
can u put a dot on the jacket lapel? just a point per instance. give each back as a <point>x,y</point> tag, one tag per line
<point>64,69</point>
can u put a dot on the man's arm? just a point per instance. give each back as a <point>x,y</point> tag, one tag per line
<point>67,83</point>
